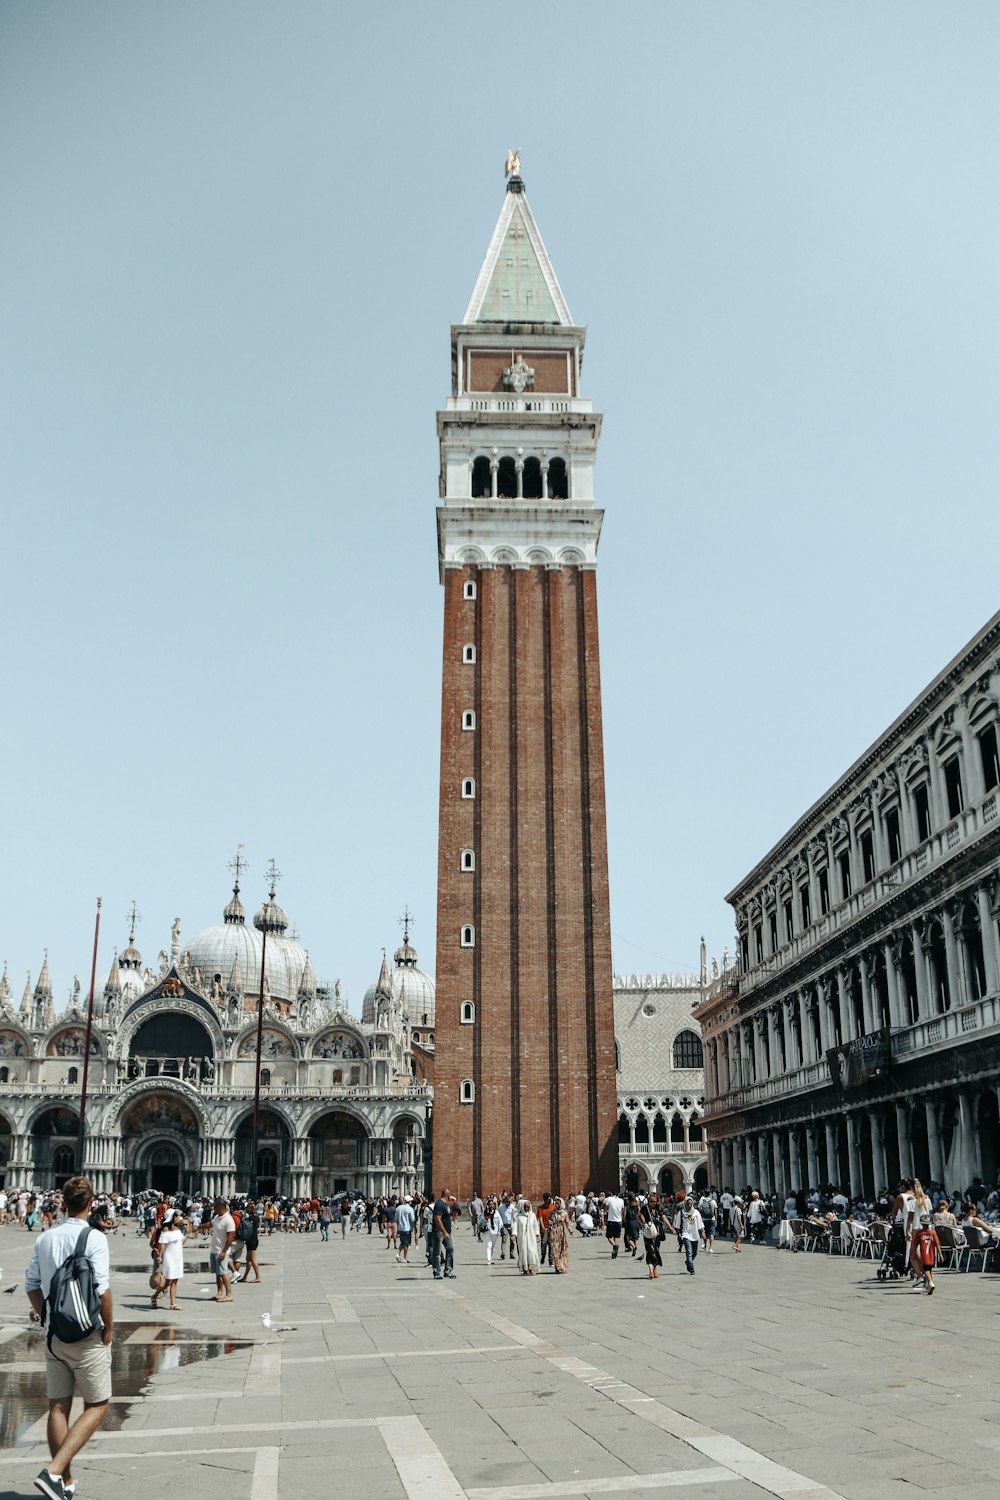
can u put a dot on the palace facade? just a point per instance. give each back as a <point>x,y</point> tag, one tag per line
<point>857,1038</point>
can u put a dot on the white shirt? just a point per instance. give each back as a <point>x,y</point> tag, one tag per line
<point>615,1207</point>
<point>690,1225</point>
<point>55,1246</point>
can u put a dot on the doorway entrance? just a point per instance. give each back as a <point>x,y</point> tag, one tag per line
<point>163,1169</point>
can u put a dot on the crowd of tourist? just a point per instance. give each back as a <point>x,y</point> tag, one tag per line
<point>508,1227</point>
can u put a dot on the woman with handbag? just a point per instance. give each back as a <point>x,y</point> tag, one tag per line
<point>157,1280</point>
<point>651,1224</point>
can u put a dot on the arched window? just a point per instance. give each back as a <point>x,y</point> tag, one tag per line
<point>558,485</point>
<point>265,1078</point>
<point>694,1129</point>
<point>468,859</point>
<point>624,1130</point>
<point>468,655</point>
<point>687,1050</point>
<point>469,718</point>
<point>677,1129</point>
<point>531,479</point>
<point>507,479</point>
<point>468,937</point>
<point>73,1075</point>
<point>468,787</point>
<point>467,1091</point>
<point>481,485</point>
<point>659,1130</point>
<point>4,1075</point>
<point>468,1015</point>
<point>469,590</point>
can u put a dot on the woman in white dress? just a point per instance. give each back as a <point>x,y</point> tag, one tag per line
<point>490,1229</point>
<point>529,1239</point>
<point>171,1252</point>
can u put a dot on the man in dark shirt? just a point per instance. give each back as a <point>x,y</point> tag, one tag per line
<point>442,1242</point>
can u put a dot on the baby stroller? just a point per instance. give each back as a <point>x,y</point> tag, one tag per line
<point>892,1266</point>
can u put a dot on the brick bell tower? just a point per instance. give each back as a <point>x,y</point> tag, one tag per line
<point>524,1094</point>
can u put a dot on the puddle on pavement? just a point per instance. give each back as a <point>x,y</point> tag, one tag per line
<point>22,1374</point>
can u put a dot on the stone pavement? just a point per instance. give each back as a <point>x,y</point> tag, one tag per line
<point>766,1374</point>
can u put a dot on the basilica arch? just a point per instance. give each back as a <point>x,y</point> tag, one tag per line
<point>54,1130</point>
<point>339,1151</point>
<point>6,1145</point>
<point>161,1134</point>
<point>270,1174</point>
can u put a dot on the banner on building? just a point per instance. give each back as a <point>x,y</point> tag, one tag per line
<point>855,1062</point>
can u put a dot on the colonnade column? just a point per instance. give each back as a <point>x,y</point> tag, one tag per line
<point>832,1165</point>
<point>867,999</point>
<point>991,948</point>
<point>844,1004</point>
<point>957,987</point>
<point>970,1164</point>
<point>854,1155</point>
<point>905,1144</point>
<point>880,1170</point>
<point>924,1008</point>
<point>812,1154</point>
<point>763,1163</point>
<point>748,1171</point>
<point>778,1185</point>
<point>932,1111</point>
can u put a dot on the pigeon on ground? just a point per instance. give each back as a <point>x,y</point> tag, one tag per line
<point>9,1291</point>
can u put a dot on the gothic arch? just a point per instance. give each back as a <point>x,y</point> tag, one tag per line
<point>42,1108</point>
<point>75,1030</point>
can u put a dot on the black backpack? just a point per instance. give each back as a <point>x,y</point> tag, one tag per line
<point>74,1306</point>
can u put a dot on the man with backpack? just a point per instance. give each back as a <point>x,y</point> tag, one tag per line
<point>68,1286</point>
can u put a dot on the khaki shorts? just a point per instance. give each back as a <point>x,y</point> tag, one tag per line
<point>89,1372</point>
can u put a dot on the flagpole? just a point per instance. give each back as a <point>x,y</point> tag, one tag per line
<point>260,1041</point>
<point>86,1047</point>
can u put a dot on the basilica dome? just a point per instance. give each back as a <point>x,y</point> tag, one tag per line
<point>213,951</point>
<point>410,985</point>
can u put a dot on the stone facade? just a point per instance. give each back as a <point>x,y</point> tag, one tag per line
<point>858,1036</point>
<point>661,1082</point>
<point>524,1057</point>
<point>171,1076</point>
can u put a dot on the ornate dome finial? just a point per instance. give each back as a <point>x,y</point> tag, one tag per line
<point>130,957</point>
<point>271,917</point>
<point>405,957</point>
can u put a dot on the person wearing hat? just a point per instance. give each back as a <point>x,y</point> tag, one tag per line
<point>405,1220</point>
<point>925,1250</point>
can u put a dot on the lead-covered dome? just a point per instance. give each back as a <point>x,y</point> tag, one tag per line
<point>213,952</point>
<point>410,985</point>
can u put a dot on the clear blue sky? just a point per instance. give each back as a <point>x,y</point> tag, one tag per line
<point>234,238</point>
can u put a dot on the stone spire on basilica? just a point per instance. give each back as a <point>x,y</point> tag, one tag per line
<point>6,995</point>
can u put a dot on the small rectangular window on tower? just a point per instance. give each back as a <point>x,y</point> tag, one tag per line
<point>469,718</point>
<point>468,859</point>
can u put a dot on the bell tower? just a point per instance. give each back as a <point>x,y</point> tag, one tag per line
<point>524,1094</point>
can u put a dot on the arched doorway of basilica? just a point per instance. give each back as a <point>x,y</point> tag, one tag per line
<point>267,1176</point>
<point>161,1142</point>
<point>163,1167</point>
<point>338,1153</point>
<point>6,1144</point>
<point>53,1146</point>
<point>171,1045</point>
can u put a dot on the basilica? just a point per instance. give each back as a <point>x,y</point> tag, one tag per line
<point>344,1103</point>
